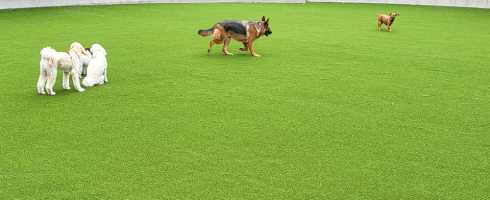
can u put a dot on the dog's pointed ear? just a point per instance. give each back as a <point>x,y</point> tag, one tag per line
<point>263,18</point>
<point>267,21</point>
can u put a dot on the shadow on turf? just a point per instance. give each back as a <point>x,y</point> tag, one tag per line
<point>62,92</point>
<point>236,56</point>
<point>385,31</point>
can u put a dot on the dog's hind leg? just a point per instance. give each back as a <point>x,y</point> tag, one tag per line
<point>41,82</point>
<point>245,47</point>
<point>217,39</point>
<point>76,81</point>
<point>226,43</point>
<point>66,80</point>
<point>210,46</point>
<point>51,79</point>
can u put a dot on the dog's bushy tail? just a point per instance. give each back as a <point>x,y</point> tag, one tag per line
<point>205,32</point>
<point>48,54</point>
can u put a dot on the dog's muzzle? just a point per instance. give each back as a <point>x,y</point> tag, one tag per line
<point>268,32</point>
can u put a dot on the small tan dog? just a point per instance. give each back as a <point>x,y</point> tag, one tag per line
<point>387,20</point>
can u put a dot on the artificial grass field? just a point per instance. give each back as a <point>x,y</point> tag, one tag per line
<point>333,109</point>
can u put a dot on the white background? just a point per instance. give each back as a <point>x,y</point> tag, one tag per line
<point>458,3</point>
<point>5,4</point>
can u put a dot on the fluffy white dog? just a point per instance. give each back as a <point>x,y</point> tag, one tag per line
<point>85,57</point>
<point>69,62</point>
<point>97,67</point>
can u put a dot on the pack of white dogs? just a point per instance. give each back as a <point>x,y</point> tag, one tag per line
<point>78,62</point>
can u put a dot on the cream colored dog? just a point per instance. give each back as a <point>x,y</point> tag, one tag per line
<point>387,20</point>
<point>85,57</point>
<point>69,63</point>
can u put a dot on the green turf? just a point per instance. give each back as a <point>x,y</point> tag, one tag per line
<point>333,109</point>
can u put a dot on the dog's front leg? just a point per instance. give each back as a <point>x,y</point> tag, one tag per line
<point>105,75</point>
<point>251,49</point>
<point>75,75</point>
<point>66,80</point>
<point>84,70</point>
<point>51,79</point>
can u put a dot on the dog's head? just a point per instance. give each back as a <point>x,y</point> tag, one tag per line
<point>86,56</point>
<point>98,50</point>
<point>394,14</point>
<point>80,50</point>
<point>266,28</point>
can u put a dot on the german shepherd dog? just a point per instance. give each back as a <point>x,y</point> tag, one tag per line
<point>243,31</point>
<point>388,20</point>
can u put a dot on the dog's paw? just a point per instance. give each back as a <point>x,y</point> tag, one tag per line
<point>67,88</point>
<point>81,90</point>
<point>52,93</point>
<point>243,49</point>
<point>256,55</point>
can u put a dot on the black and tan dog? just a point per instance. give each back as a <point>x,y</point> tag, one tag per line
<point>244,31</point>
<point>388,20</point>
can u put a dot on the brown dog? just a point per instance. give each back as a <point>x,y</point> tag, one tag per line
<point>387,20</point>
<point>244,31</point>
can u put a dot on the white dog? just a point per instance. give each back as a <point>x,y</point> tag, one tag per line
<point>69,62</point>
<point>97,67</point>
<point>85,57</point>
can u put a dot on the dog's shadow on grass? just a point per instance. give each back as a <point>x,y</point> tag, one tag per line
<point>385,31</point>
<point>60,92</point>
<point>221,56</point>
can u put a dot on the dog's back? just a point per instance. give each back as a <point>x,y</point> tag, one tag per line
<point>234,26</point>
<point>95,72</point>
<point>383,18</point>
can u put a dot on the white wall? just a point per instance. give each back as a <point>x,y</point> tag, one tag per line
<point>6,4</point>
<point>455,3</point>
